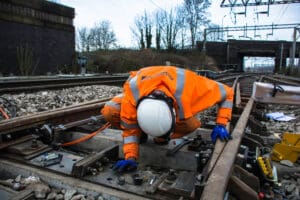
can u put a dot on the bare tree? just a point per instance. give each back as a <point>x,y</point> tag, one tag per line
<point>196,16</point>
<point>108,36</point>
<point>148,29</point>
<point>138,32</point>
<point>142,30</point>
<point>159,15</point>
<point>83,38</point>
<point>102,36</point>
<point>171,23</point>
<point>183,37</point>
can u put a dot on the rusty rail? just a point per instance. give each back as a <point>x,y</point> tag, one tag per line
<point>278,80</point>
<point>224,154</point>
<point>61,115</point>
<point>217,182</point>
<point>9,86</point>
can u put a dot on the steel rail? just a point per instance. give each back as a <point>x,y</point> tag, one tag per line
<point>219,146</point>
<point>220,168</point>
<point>65,181</point>
<point>233,77</point>
<point>61,115</point>
<point>10,86</point>
<point>279,80</point>
<point>216,185</point>
<point>293,79</point>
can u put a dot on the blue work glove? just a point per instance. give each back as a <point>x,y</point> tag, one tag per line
<point>125,166</point>
<point>221,132</point>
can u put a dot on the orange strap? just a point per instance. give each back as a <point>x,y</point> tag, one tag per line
<point>4,113</point>
<point>86,137</point>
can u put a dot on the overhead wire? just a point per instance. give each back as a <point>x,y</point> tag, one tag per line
<point>280,17</point>
<point>156,5</point>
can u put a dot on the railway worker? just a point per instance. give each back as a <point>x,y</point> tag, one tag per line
<point>161,101</point>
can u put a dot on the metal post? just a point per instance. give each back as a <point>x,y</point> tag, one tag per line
<point>292,56</point>
<point>204,41</point>
<point>223,26</point>
<point>228,53</point>
<point>299,61</point>
<point>281,57</point>
<point>298,29</point>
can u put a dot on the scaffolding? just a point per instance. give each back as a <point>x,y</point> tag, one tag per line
<point>246,28</point>
<point>245,3</point>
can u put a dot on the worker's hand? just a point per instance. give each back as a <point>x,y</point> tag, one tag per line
<point>220,131</point>
<point>125,165</point>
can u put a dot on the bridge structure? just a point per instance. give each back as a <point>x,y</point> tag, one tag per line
<point>233,52</point>
<point>36,37</point>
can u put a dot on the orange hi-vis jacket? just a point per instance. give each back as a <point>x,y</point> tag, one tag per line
<point>111,110</point>
<point>190,92</point>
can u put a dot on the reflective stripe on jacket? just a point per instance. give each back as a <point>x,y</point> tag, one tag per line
<point>191,94</point>
<point>111,111</point>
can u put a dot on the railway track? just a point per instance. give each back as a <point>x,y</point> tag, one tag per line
<point>34,84</point>
<point>161,177</point>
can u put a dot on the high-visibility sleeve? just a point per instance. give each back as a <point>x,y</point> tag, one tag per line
<point>204,93</point>
<point>131,143</point>
<point>131,131</point>
<point>225,107</point>
<point>111,110</point>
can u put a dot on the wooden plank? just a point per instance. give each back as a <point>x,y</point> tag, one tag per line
<point>217,181</point>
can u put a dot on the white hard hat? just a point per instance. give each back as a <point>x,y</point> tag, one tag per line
<point>155,117</point>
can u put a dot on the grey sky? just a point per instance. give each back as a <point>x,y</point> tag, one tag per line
<point>121,14</point>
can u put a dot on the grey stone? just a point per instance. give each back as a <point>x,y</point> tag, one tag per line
<point>287,163</point>
<point>78,197</point>
<point>18,179</point>
<point>10,180</point>
<point>59,197</point>
<point>51,195</point>
<point>296,191</point>
<point>286,176</point>
<point>69,194</point>
<point>89,197</point>
<point>47,100</point>
<point>40,190</point>
<point>290,188</point>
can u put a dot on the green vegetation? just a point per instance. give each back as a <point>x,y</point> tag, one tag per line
<point>123,60</point>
